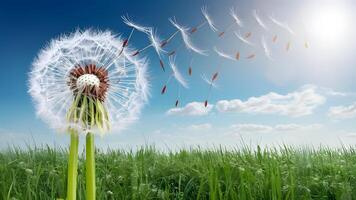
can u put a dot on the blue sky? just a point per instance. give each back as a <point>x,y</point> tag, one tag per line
<point>303,96</point>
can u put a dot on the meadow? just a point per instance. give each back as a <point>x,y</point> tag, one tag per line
<point>285,173</point>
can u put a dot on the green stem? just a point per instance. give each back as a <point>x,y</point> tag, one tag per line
<point>90,167</point>
<point>72,166</point>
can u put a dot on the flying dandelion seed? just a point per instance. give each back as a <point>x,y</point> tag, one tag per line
<point>283,25</point>
<point>190,69</point>
<point>251,56</point>
<point>155,41</point>
<point>237,56</point>
<point>288,45</point>
<point>235,17</point>
<point>223,54</point>
<point>211,85</point>
<point>265,48</point>
<point>176,74</point>
<point>236,21</point>
<point>274,39</point>
<point>185,36</point>
<point>248,34</point>
<point>208,19</point>
<point>87,82</point>
<point>242,39</point>
<point>208,81</point>
<point>259,20</point>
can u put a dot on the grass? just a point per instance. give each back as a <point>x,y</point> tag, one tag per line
<point>288,173</point>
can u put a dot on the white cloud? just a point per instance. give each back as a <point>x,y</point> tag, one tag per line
<point>298,103</point>
<point>343,112</point>
<point>331,92</point>
<point>251,128</point>
<point>191,109</point>
<point>259,128</point>
<point>352,135</point>
<point>199,127</point>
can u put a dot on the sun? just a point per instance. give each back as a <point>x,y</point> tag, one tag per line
<point>328,25</point>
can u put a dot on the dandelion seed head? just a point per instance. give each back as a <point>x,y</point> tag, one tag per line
<point>86,80</point>
<point>93,63</point>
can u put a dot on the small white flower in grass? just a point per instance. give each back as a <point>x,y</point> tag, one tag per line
<point>88,80</point>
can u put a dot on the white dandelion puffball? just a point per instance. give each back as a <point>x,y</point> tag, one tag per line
<point>97,64</point>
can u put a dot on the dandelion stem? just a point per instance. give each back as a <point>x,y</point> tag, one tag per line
<point>90,167</point>
<point>72,166</point>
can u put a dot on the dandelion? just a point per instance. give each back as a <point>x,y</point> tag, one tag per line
<point>87,82</point>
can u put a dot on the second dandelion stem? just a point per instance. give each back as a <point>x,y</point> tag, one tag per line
<point>90,167</point>
<point>72,166</point>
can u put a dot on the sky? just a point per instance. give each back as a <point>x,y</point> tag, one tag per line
<point>304,96</point>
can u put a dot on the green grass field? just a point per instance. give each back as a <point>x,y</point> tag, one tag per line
<point>196,174</point>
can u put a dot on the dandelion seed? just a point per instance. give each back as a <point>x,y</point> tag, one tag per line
<point>306,44</point>
<point>186,38</point>
<point>190,71</point>
<point>215,76</point>
<point>136,26</point>
<point>164,89</point>
<point>155,42</point>
<point>206,103</point>
<point>222,54</point>
<point>259,20</point>
<point>176,104</point>
<point>208,19</point>
<point>221,34</point>
<point>237,56</point>
<point>238,35</point>
<point>136,53</point>
<point>176,74</point>
<point>236,18</point>
<point>283,25</point>
<point>171,53</point>
<point>248,34</point>
<point>288,46</point>
<point>162,65</point>
<point>274,39</point>
<point>265,48</point>
<point>208,81</point>
<point>251,56</point>
<point>193,30</point>
<point>164,43</point>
